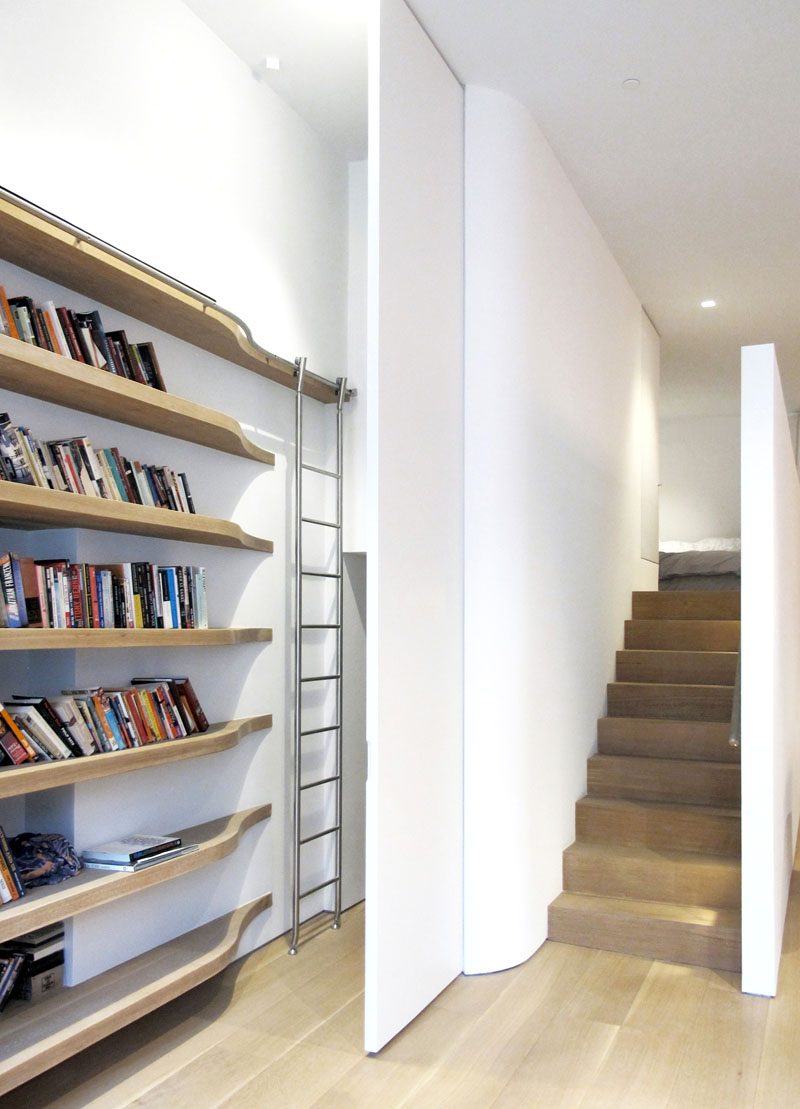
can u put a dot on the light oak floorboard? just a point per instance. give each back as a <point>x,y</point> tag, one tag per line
<point>570,1027</point>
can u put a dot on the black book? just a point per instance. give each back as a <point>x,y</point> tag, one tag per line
<point>27,311</point>
<point>10,970</point>
<point>92,321</point>
<point>185,482</point>
<point>152,370</point>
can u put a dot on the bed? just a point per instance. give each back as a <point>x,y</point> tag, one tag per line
<point>705,564</point>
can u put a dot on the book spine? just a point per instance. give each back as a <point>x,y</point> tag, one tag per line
<point>8,316</point>
<point>8,856</point>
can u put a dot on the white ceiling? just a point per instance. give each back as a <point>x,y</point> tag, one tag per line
<point>693,178</point>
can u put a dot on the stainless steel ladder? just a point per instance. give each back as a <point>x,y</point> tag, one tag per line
<point>300,679</point>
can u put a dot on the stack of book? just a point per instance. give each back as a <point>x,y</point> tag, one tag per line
<point>55,593</point>
<point>41,954</point>
<point>11,967</point>
<point>81,336</point>
<point>11,886</point>
<point>137,852</point>
<point>83,722</point>
<point>74,466</point>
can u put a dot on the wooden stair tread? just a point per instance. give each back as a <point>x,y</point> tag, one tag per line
<point>671,700</point>
<point>692,781</point>
<point>658,824</point>
<point>642,854</point>
<point>677,666</point>
<point>697,916</point>
<point>679,933</point>
<point>686,605</point>
<point>691,635</point>
<point>647,737</point>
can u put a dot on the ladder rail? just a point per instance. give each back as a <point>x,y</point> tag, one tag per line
<point>335,829</point>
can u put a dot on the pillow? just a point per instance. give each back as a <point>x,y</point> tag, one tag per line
<point>677,546</point>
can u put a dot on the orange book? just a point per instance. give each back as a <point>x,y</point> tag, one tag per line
<point>9,315</point>
<point>16,732</point>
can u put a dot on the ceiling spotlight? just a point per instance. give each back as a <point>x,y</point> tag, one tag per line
<point>270,64</point>
<point>631,83</point>
<point>708,304</point>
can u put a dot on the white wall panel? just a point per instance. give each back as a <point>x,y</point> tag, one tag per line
<point>770,666</point>
<point>553,528</point>
<point>700,481</point>
<point>415,525</point>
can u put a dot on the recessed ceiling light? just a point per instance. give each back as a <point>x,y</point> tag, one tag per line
<point>631,83</point>
<point>708,304</point>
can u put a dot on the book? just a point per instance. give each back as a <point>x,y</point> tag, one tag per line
<point>9,864</point>
<point>141,864</point>
<point>132,849</point>
<point>7,321</point>
<point>11,746</point>
<point>10,969</point>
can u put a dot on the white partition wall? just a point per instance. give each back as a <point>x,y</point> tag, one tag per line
<point>770,666</point>
<point>559,363</point>
<point>415,525</point>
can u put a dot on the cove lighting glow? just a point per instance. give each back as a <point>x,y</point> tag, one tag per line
<point>708,304</point>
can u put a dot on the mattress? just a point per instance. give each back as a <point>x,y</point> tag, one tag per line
<point>700,569</point>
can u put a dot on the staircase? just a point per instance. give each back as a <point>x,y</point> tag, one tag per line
<point>655,868</point>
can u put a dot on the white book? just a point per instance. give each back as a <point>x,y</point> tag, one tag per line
<point>141,864</point>
<point>56,328</point>
<point>39,727</point>
<point>132,848</point>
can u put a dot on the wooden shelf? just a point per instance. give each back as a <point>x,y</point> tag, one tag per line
<point>28,506</point>
<point>60,253</point>
<point>100,639</point>
<point>52,377</point>
<point>18,780</point>
<point>91,888</point>
<point>33,1039</point>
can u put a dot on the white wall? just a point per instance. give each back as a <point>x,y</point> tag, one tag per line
<point>134,121</point>
<point>164,144</point>
<point>770,666</point>
<point>555,344</point>
<point>355,443</point>
<point>415,525</point>
<point>700,485</point>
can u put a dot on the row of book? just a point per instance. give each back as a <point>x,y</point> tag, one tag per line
<point>80,336</point>
<point>11,884</point>
<point>75,466</point>
<point>32,965</point>
<point>84,722</point>
<point>57,593</point>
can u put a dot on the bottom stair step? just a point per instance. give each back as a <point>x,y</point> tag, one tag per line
<point>654,930</point>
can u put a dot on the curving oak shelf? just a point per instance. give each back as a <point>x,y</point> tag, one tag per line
<point>39,373</point>
<point>28,506</point>
<point>18,780</point>
<point>33,1039</point>
<point>64,254</point>
<point>92,888</point>
<point>54,639</point>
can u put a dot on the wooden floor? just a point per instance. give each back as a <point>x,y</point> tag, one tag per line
<point>571,1027</point>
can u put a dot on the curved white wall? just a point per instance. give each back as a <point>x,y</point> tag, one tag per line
<point>553,397</point>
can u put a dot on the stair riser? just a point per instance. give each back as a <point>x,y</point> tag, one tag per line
<point>691,783</point>
<point>685,605</point>
<point>671,702</point>
<point>668,940</point>
<point>665,739</point>
<point>692,830</point>
<point>652,879</point>
<point>690,667</point>
<point>682,635</point>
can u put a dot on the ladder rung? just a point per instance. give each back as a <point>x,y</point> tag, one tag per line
<point>321,782</point>
<point>321,886</point>
<point>325,473</point>
<point>323,678</point>
<point>329,728</point>
<point>318,574</point>
<point>306,627</point>
<point>319,835</point>
<point>322,523</point>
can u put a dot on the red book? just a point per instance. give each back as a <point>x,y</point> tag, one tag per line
<point>67,326</point>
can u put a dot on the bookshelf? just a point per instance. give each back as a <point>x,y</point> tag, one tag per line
<point>41,374</point>
<point>28,506</point>
<point>92,888</point>
<point>70,639</point>
<point>16,781</point>
<point>34,1038</point>
<point>62,254</point>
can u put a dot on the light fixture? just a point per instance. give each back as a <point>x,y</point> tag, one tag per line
<point>270,64</point>
<point>631,83</point>
<point>708,304</point>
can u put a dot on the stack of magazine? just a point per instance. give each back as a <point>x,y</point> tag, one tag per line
<point>136,852</point>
